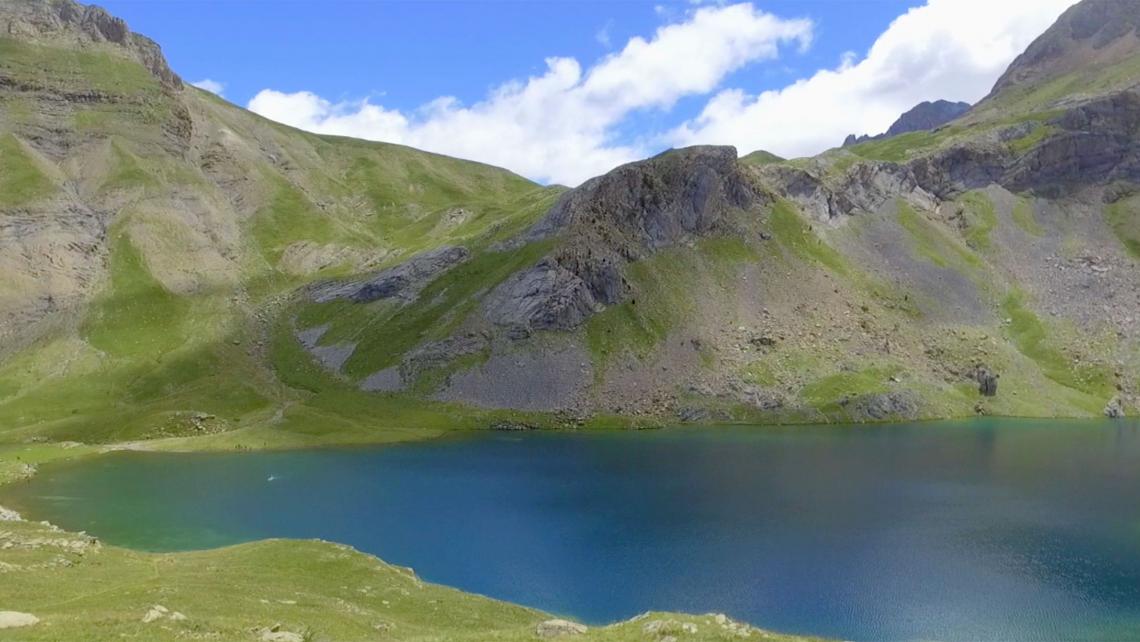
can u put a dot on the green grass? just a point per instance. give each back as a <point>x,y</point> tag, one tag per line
<point>413,195</point>
<point>1032,339</point>
<point>897,149</point>
<point>826,393</point>
<point>981,219</point>
<point>1038,133</point>
<point>403,201</point>
<point>21,181</point>
<point>760,157</point>
<point>101,68</point>
<point>152,359</point>
<point>660,297</point>
<point>1040,98</point>
<point>325,592</point>
<point>127,171</point>
<point>1124,218</point>
<point>290,217</point>
<point>932,243</point>
<point>131,101</point>
<point>1025,219</point>
<point>761,373</point>
<point>136,315</point>
<point>657,303</point>
<point>795,234</point>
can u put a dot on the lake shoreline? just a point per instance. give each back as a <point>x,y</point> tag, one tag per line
<point>944,451</point>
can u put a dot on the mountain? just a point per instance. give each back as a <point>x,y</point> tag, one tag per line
<point>149,231</point>
<point>177,267</point>
<point>1093,36</point>
<point>924,115</point>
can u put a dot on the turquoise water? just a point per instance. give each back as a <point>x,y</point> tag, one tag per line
<point>987,530</point>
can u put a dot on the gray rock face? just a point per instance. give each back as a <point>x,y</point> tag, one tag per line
<point>555,377</point>
<point>987,381</point>
<point>386,380</point>
<point>614,219</point>
<point>403,281</point>
<point>544,297</point>
<point>438,354</point>
<point>656,202</point>
<point>1114,409</point>
<point>865,188</point>
<point>1092,144</point>
<point>888,405</point>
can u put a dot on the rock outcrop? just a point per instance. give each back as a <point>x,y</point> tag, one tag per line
<point>614,219</point>
<point>558,628</point>
<point>1114,409</point>
<point>864,188</point>
<point>17,620</point>
<point>403,281</point>
<point>546,297</point>
<point>654,203</point>
<point>67,19</point>
<point>987,381</point>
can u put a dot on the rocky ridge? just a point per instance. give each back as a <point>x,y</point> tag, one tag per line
<point>926,115</point>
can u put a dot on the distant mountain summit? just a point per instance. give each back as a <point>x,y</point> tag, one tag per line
<point>927,115</point>
<point>923,116</point>
<point>1090,34</point>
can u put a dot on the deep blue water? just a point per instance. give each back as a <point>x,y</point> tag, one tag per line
<point>986,530</point>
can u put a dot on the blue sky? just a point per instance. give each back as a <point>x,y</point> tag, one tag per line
<point>377,70</point>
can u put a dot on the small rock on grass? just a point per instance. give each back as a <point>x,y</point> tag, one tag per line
<point>275,634</point>
<point>16,619</point>
<point>156,612</point>
<point>557,628</point>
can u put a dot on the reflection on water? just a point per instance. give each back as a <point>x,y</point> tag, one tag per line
<point>982,530</point>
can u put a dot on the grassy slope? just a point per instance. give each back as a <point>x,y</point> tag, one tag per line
<point>21,181</point>
<point>146,360</point>
<point>322,591</point>
<point>158,358</point>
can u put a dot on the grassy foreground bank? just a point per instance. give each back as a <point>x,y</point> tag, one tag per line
<point>77,588</point>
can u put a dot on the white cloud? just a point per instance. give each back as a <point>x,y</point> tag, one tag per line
<point>952,49</point>
<point>603,35</point>
<point>558,126</point>
<point>212,86</point>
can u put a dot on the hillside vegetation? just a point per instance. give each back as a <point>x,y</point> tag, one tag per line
<point>180,269</point>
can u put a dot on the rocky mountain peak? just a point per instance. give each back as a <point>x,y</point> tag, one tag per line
<point>68,21</point>
<point>1090,33</point>
<point>656,202</point>
<point>923,116</point>
<point>927,115</point>
<point>615,219</point>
